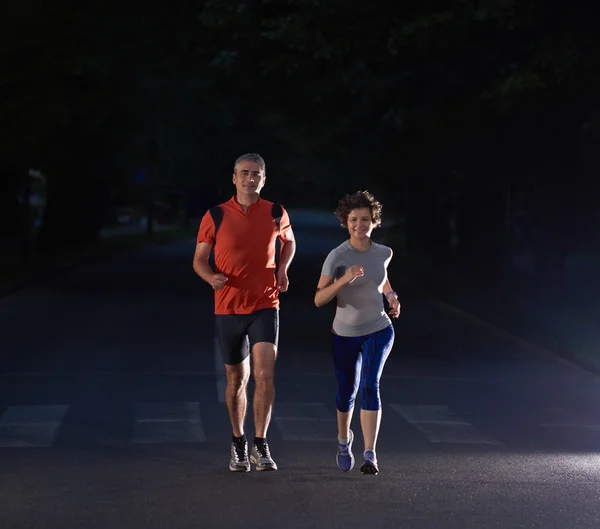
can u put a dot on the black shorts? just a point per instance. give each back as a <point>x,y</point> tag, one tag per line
<point>239,332</point>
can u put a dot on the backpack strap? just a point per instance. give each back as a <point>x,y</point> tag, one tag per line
<point>217,215</point>
<point>277,213</point>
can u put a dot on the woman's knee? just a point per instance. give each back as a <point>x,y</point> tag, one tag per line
<point>345,402</point>
<point>370,397</point>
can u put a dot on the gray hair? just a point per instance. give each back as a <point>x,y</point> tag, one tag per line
<point>251,157</point>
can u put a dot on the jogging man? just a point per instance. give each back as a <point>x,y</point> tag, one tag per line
<point>243,232</point>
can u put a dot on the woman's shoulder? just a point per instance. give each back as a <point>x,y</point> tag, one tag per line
<point>383,249</point>
<point>340,249</point>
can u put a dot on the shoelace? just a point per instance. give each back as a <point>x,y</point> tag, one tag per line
<point>263,450</point>
<point>371,457</point>
<point>343,449</point>
<point>240,452</point>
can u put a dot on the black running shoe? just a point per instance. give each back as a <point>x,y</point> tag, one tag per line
<point>239,461</point>
<point>261,457</point>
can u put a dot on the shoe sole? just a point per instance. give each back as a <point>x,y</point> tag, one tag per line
<point>369,469</point>
<point>235,468</point>
<point>265,468</point>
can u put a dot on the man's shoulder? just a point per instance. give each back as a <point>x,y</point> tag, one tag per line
<point>268,204</point>
<point>223,205</point>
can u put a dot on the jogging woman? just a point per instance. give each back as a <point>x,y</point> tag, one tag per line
<point>355,273</point>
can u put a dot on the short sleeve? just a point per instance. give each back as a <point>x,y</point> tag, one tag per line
<point>389,253</point>
<point>285,226</point>
<point>330,264</point>
<point>206,232</point>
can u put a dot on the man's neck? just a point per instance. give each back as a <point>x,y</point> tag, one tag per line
<point>247,200</point>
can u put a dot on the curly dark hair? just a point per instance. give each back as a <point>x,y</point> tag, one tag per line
<point>360,199</point>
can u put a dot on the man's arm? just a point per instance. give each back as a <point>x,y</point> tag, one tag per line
<point>286,254</point>
<point>200,264</point>
<point>203,269</point>
<point>287,251</point>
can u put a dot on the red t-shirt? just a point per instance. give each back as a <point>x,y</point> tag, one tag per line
<point>245,254</point>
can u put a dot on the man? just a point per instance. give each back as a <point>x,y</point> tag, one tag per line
<point>243,232</point>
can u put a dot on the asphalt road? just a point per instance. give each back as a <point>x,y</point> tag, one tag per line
<point>112,416</point>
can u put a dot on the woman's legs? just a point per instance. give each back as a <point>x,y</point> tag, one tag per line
<point>347,363</point>
<point>376,348</point>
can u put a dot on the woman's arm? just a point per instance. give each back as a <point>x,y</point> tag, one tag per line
<point>392,298</point>
<point>327,289</point>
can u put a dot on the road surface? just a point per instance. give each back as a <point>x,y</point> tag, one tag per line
<point>112,414</point>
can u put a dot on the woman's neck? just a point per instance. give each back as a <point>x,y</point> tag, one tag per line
<point>362,244</point>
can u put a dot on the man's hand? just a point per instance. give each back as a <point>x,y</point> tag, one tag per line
<point>218,281</point>
<point>282,280</point>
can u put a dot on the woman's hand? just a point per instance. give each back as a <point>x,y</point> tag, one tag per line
<point>352,273</point>
<point>394,304</point>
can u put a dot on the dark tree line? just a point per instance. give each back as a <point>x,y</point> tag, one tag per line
<point>459,114</point>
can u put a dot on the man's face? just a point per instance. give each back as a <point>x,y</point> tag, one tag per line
<point>249,178</point>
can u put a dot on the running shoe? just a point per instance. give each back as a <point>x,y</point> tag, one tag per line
<point>345,457</point>
<point>261,457</point>
<point>239,457</point>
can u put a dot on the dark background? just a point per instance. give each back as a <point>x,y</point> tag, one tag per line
<point>474,122</point>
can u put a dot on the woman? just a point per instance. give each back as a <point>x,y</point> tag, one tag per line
<point>356,274</point>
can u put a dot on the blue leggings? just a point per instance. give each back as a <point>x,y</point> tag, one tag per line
<point>358,362</point>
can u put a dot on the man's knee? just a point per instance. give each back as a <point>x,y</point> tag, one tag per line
<point>237,376</point>
<point>263,359</point>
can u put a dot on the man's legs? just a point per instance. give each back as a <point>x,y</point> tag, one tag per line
<point>231,330</point>
<point>263,333</point>
<point>236,395</point>
<point>264,355</point>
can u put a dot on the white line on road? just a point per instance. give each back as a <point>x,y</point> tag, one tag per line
<point>168,422</point>
<point>440,425</point>
<point>593,427</point>
<point>30,426</point>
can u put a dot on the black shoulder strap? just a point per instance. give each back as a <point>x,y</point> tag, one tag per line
<point>217,215</point>
<point>277,213</point>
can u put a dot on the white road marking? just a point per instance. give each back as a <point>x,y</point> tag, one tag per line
<point>168,422</point>
<point>440,425</point>
<point>30,426</point>
<point>593,427</point>
<point>311,421</point>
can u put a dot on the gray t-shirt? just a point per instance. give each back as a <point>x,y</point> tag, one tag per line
<point>360,309</point>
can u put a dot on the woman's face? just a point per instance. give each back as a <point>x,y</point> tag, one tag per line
<point>360,223</point>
